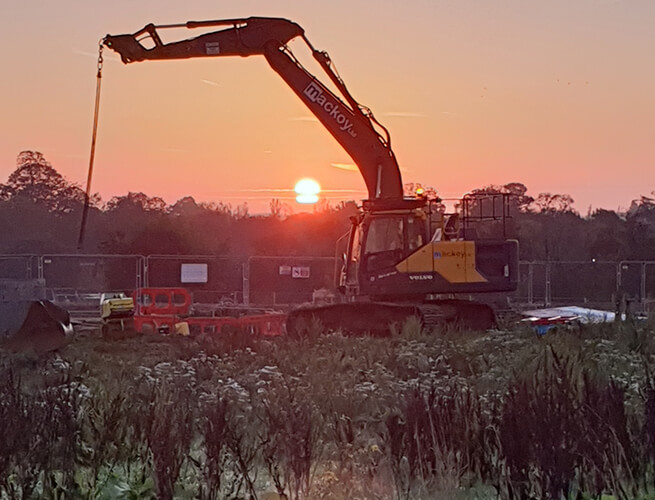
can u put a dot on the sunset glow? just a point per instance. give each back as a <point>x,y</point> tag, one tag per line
<point>307,191</point>
<point>555,95</point>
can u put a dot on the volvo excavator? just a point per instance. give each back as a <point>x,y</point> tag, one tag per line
<point>404,257</point>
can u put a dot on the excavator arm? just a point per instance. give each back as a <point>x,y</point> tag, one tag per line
<point>351,124</point>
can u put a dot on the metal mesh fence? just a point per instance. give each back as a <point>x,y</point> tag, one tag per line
<point>18,267</point>
<point>546,283</point>
<point>76,281</point>
<point>288,280</point>
<point>293,279</point>
<point>649,286</point>
<point>210,279</point>
<point>589,282</point>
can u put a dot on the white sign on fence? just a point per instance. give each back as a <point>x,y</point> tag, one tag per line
<point>193,273</point>
<point>300,272</point>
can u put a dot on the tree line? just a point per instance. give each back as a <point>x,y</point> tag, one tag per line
<point>40,212</point>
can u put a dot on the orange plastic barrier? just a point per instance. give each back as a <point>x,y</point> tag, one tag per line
<point>198,325</point>
<point>270,325</point>
<point>161,308</point>
<point>163,301</point>
<point>155,324</point>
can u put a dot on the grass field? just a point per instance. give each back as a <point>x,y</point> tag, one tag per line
<point>445,414</point>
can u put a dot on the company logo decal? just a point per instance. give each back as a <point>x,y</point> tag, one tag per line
<point>212,48</point>
<point>420,277</point>
<point>458,254</point>
<point>315,94</point>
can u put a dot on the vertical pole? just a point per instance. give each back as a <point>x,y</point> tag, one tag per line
<point>642,298</point>
<point>245,277</point>
<point>140,264</point>
<point>548,289</point>
<point>28,270</point>
<point>146,272</point>
<point>530,283</point>
<point>618,278</point>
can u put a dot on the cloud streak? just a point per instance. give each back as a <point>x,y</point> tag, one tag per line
<point>303,119</point>
<point>404,114</point>
<point>350,167</point>
<point>287,190</point>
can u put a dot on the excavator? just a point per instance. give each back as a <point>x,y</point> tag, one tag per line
<point>405,257</point>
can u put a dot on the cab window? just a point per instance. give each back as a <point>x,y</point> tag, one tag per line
<point>385,243</point>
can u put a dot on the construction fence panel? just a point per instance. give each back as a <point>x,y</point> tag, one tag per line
<point>637,284</point>
<point>525,290</point>
<point>290,280</point>
<point>535,278</point>
<point>632,280</point>
<point>649,286</point>
<point>583,282</point>
<point>76,281</point>
<point>19,267</point>
<point>209,278</point>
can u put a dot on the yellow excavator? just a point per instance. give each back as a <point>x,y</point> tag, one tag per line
<point>405,257</point>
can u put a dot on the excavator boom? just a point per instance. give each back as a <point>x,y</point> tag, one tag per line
<point>244,37</point>
<point>351,124</point>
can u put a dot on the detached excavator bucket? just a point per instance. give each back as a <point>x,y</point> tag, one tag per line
<point>34,326</point>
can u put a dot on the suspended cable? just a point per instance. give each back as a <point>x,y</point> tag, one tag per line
<point>87,193</point>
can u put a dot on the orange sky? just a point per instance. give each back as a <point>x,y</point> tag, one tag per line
<point>559,95</point>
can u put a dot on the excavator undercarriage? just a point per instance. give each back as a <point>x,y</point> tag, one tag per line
<point>381,319</point>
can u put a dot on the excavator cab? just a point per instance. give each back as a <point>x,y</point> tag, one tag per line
<point>410,249</point>
<point>390,238</point>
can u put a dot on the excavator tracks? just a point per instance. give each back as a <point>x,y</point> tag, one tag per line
<point>379,319</point>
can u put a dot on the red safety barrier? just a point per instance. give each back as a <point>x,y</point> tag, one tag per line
<point>163,301</point>
<point>155,324</point>
<point>160,309</point>
<point>199,325</point>
<point>269,325</point>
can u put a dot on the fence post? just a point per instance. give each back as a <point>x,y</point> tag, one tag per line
<point>245,273</point>
<point>642,288</point>
<point>28,268</point>
<point>145,263</point>
<point>547,298</point>
<point>531,283</point>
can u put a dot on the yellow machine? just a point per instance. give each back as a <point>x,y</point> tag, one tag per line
<point>117,314</point>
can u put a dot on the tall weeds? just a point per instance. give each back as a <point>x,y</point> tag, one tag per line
<point>571,415</point>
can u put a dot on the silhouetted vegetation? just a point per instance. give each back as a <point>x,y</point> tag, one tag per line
<point>40,211</point>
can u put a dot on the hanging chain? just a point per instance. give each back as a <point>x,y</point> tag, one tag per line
<point>100,59</point>
<point>87,194</point>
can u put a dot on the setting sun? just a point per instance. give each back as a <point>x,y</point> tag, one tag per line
<point>307,191</point>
